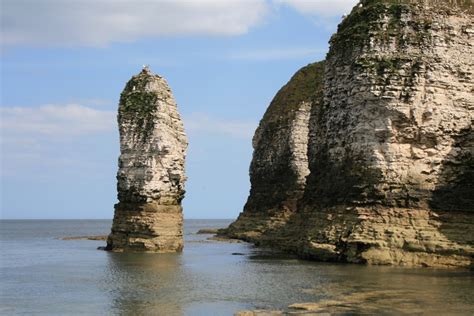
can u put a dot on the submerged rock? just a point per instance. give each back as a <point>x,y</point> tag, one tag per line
<point>390,146</point>
<point>151,177</point>
<point>99,237</point>
<point>208,231</point>
<point>259,312</point>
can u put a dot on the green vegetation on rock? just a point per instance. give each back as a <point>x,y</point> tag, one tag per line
<point>305,85</point>
<point>366,22</point>
<point>139,105</point>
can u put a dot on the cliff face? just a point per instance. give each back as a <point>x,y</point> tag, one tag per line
<point>150,179</point>
<point>398,101</point>
<point>279,166</point>
<point>391,145</point>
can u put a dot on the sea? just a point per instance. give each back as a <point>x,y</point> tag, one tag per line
<point>42,274</point>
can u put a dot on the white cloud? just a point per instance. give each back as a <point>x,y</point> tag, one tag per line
<point>100,22</point>
<point>276,54</point>
<point>320,7</point>
<point>199,122</point>
<point>54,120</point>
<point>25,125</point>
<point>52,137</point>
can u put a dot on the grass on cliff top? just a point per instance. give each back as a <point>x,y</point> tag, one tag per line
<point>135,99</point>
<point>355,30</point>
<point>138,105</point>
<point>305,85</point>
<point>466,5</point>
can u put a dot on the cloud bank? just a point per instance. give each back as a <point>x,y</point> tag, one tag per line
<point>39,140</point>
<point>55,120</point>
<point>100,22</point>
<point>58,121</point>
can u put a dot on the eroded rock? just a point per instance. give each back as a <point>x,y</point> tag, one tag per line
<point>390,147</point>
<point>151,177</point>
<point>280,161</point>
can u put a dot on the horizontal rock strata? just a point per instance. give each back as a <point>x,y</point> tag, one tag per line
<point>280,161</point>
<point>151,174</point>
<point>390,148</point>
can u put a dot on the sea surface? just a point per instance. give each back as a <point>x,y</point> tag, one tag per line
<point>44,275</point>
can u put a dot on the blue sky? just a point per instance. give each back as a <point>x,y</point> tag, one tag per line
<point>64,64</point>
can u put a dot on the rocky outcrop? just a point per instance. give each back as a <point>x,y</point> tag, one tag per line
<point>279,165</point>
<point>391,145</point>
<point>151,174</point>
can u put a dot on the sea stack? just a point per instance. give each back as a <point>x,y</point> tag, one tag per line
<point>390,143</point>
<point>151,175</point>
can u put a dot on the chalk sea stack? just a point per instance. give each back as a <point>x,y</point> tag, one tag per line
<point>390,144</point>
<point>151,176</point>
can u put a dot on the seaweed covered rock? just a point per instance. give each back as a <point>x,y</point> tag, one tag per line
<point>151,177</point>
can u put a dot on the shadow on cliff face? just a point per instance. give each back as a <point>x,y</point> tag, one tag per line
<point>453,200</point>
<point>456,192</point>
<point>333,184</point>
<point>347,181</point>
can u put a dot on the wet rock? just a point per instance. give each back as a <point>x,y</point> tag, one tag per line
<point>259,313</point>
<point>224,239</point>
<point>306,306</point>
<point>101,237</point>
<point>208,231</point>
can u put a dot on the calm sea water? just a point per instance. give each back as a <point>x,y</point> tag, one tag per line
<point>43,275</point>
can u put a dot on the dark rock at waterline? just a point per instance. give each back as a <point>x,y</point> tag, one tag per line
<point>100,237</point>
<point>208,231</point>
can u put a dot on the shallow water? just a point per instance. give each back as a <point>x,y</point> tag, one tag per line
<point>43,275</point>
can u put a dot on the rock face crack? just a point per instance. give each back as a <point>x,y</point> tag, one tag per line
<point>151,177</point>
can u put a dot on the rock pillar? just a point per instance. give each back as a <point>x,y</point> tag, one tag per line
<point>151,177</point>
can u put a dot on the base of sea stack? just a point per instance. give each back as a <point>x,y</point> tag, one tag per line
<point>369,235</point>
<point>146,227</point>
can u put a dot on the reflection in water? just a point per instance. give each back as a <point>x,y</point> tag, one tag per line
<point>208,280</point>
<point>40,274</point>
<point>143,284</point>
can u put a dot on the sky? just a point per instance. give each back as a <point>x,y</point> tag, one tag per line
<point>65,62</point>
